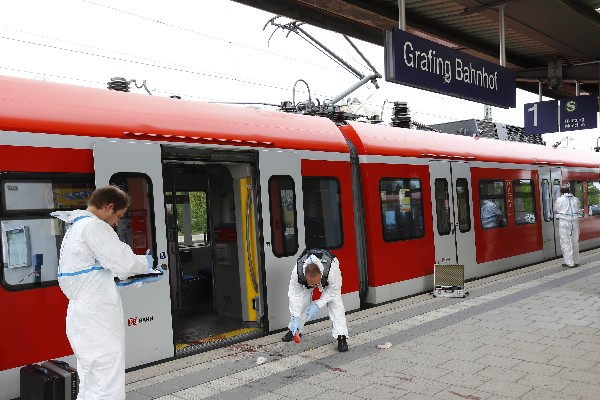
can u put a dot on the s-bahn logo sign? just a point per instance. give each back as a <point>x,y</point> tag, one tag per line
<point>421,63</point>
<point>578,113</point>
<point>134,321</point>
<point>571,114</point>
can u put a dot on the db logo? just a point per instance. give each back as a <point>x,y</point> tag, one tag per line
<point>138,321</point>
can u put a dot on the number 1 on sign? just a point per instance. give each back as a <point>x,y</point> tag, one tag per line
<point>534,109</point>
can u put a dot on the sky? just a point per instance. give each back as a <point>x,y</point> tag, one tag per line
<point>214,51</point>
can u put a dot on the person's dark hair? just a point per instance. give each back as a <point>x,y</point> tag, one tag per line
<point>107,195</point>
<point>565,189</point>
<point>312,270</point>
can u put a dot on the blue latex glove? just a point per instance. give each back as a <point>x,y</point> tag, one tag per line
<point>149,260</point>
<point>295,326</point>
<point>312,311</point>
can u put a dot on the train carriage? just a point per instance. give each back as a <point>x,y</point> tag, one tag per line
<point>423,193</point>
<point>228,197</point>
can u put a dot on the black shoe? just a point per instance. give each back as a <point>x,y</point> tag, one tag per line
<point>342,345</point>
<point>288,337</point>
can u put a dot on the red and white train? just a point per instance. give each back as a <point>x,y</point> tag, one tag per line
<point>228,197</point>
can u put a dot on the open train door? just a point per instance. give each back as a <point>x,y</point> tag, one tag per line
<point>283,227</point>
<point>215,270</point>
<point>454,238</point>
<point>550,180</point>
<point>136,167</point>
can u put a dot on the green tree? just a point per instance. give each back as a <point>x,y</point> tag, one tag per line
<point>197,211</point>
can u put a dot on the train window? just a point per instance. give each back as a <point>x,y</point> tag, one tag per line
<point>464,207</point>
<point>593,192</point>
<point>401,209</point>
<point>30,237</point>
<point>577,190</point>
<point>492,203</point>
<point>546,202</point>
<point>136,226</point>
<point>284,230</point>
<point>442,206</point>
<point>44,194</point>
<point>322,213</point>
<point>524,201</point>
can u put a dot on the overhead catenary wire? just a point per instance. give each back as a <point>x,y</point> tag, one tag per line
<point>346,45</point>
<point>188,30</point>
<point>129,58</point>
<point>124,57</point>
<point>294,27</point>
<point>185,69</point>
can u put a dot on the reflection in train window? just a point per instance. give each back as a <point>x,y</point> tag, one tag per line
<point>524,201</point>
<point>464,207</point>
<point>593,192</point>
<point>442,206</point>
<point>136,227</point>
<point>492,203</point>
<point>555,189</point>
<point>546,202</point>
<point>322,213</point>
<point>401,209</point>
<point>284,230</point>
<point>577,190</point>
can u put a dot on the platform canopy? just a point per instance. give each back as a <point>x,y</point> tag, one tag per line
<point>538,33</point>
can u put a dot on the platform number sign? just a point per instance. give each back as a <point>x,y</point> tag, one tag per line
<point>578,113</point>
<point>541,117</point>
<point>573,113</point>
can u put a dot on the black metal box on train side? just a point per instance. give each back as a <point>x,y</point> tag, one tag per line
<point>69,374</point>
<point>39,383</point>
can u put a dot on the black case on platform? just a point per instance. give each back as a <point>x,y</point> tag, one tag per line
<point>39,383</point>
<point>69,375</point>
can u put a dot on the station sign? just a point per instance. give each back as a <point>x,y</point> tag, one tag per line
<point>578,113</point>
<point>414,61</point>
<point>541,117</point>
<point>571,114</point>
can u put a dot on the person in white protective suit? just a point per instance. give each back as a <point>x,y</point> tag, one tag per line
<point>567,210</point>
<point>316,281</point>
<point>491,215</point>
<point>91,255</point>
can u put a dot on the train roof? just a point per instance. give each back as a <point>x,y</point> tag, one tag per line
<point>44,107</point>
<point>383,140</point>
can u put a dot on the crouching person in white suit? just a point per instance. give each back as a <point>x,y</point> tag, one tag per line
<point>316,281</point>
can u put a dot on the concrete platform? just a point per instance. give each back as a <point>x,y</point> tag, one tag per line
<point>532,333</point>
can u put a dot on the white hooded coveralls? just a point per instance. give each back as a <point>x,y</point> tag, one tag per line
<point>567,210</point>
<point>491,215</point>
<point>91,254</point>
<point>300,297</point>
